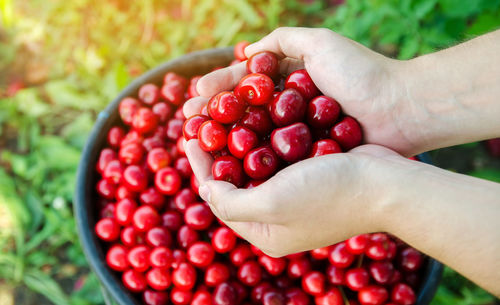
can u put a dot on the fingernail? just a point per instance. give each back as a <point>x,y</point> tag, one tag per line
<point>204,192</point>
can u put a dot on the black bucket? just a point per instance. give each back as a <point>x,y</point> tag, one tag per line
<point>197,63</point>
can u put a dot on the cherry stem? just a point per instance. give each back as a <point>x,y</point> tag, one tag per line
<point>344,297</point>
<point>360,260</point>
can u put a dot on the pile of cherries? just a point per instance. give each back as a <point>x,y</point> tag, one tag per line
<point>167,244</point>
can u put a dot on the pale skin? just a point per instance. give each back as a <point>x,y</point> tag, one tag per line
<point>404,107</point>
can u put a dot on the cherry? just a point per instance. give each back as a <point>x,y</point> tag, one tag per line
<point>152,197</point>
<point>202,298</point>
<point>157,159</point>
<point>332,296</point>
<point>123,192</point>
<point>241,291</point>
<point>130,237</point>
<point>108,211</point>
<point>134,280</point>
<point>372,295</point>
<point>320,253</point>
<point>396,277</point>
<point>151,297</point>
<point>131,153</point>
<point>168,181</point>
<point>240,254</point>
<point>192,125</point>
<point>357,278</point>
<point>107,229</point>
<point>179,114</point>
<point>239,50</point>
<point>174,77</point>
<point>105,157</point>
<point>162,111</point>
<point>298,267</point>
<point>183,167</point>
<point>184,198</point>
<point>171,220</point>
<point>138,258</point>
<point>256,119</point>
<point>335,275</point>
<point>145,218</point>
<point>174,129</point>
<point>216,274</point>
<point>160,257</point>
<point>212,136</point>
<point>223,240</point>
<point>340,257</point>
<point>295,296</point>
<point>264,62</point>
<point>256,89</point>
<point>186,236</point>
<point>132,137</point>
<point>229,169</point>
<point>377,250</point>
<point>314,283</point>
<point>158,236</point>
<point>250,273</point>
<point>200,254</point>
<point>253,183</point>
<point>180,297</point>
<point>115,136</point>
<point>226,107</point>
<point>240,141</point>
<point>325,147</point>
<point>410,259</point>
<point>173,92</point>
<point>302,82</point>
<point>358,244</point>
<point>116,258</point>
<point>347,133</point>
<point>149,94</point>
<point>225,294</point>
<point>259,290</point>
<point>322,112</point>
<point>158,278</point>
<point>113,171</point>
<point>261,163</point>
<point>128,108</point>
<point>135,178</point>
<point>179,257</point>
<point>184,276</point>
<point>381,271</point>
<point>273,297</point>
<point>493,146</point>
<point>106,189</point>
<point>391,250</point>
<point>292,143</point>
<point>198,216</point>
<point>273,265</point>
<point>145,120</point>
<point>287,107</point>
<point>124,211</point>
<point>192,91</point>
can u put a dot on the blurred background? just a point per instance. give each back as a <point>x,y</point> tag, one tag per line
<point>62,61</point>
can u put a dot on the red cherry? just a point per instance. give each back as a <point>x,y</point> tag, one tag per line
<point>116,258</point>
<point>171,220</point>
<point>179,257</point>
<point>325,147</point>
<point>302,82</point>
<point>292,143</point>
<point>131,153</point>
<point>135,178</point>
<point>186,236</point>
<point>250,273</point>
<point>322,112</point>
<point>240,254</point>
<point>332,296</point>
<point>273,297</point>
<point>239,50</point>
<point>241,291</point>
<point>192,91</point>
<point>358,244</point>
<point>298,267</point>
<point>115,136</point>
<point>256,89</point>
<point>124,211</point>
<point>410,259</point>
<point>145,120</point>
<point>174,129</point>
<point>253,183</point>
<point>287,108</point>
<point>134,280</point>
<point>200,254</point>
<point>106,189</point>
<point>391,250</point>
<point>372,295</point>
<point>226,108</point>
<point>295,296</point>
<point>229,169</point>
<point>157,159</point>
<point>347,133</point>
<point>340,257</point>
<point>264,62</point>
<point>198,216</point>
<point>225,294</point>
<point>107,229</point>
<point>162,111</point>
<point>212,136</point>
<point>173,92</point>
<point>183,167</point>
<point>160,257</point>
<point>158,278</point>
<point>377,250</point>
<point>192,125</point>
<point>113,171</point>
<point>223,240</point>
<point>151,297</point>
<point>174,77</point>
<point>273,265</point>
<point>149,94</point>
<point>123,192</point>
<point>335,275</point>
<point>240,141</point>
<point>396,277</point>
<point>158,236</point>
<point>184,276</point>
<point>105,157</point>
<point>152,197</point>
<point>153,142</point>
<point>314,283</point>
<point>381,271</point>
<point>168,181</point>
<point>261,163</point>
<point>357,278</point>
<point>216,274</point>
<point>138,258</point>
<point>257,119</point>
<point>320,253</point>
<point>145,218</point>
<point>493,146</point>
<point>403,294</point>
<point>108,211</point>
<point>180,297</point>
<point>202,298</point>
<point>130,237</point>
<point>132,137</point>
<point>184,198</point>
<point>128,108</point>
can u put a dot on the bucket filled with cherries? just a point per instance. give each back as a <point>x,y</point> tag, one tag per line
<point>152,240</point>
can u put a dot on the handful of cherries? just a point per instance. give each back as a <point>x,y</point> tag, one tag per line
<point>167,245</point>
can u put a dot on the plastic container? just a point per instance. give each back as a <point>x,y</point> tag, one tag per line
<point>196,63</point>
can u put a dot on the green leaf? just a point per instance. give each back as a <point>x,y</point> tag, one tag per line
<point>484,24</point>
<point>45,285</point>
<point>459,8</point>
<point>421,8</point>
<point>487,173</point>
<point>409,48</point>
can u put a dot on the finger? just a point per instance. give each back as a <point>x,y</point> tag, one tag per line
<point>292,42</point>
<point>374,150</point>
<point>201,161</point>
<point>221,80</point>
<point>289,65</point>
<point>194,105</point>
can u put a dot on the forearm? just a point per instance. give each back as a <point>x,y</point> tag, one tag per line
<point>451,217</point>
<point>453,96</point>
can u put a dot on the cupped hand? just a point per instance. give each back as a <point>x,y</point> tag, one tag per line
<point>365,83</point>
<point>309,204</point>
